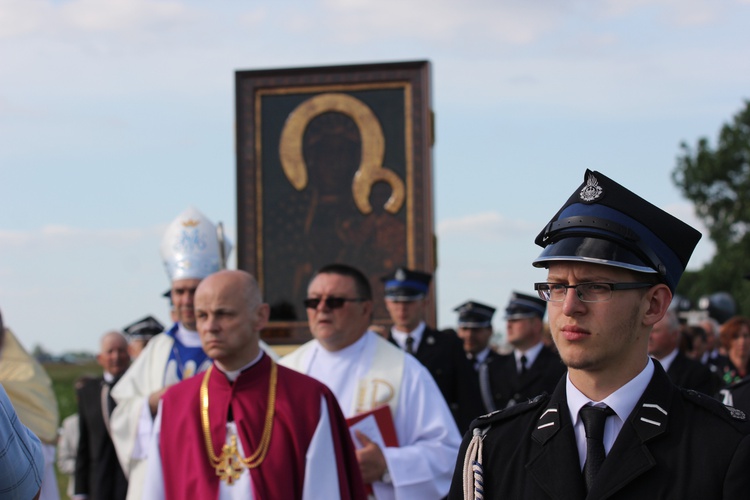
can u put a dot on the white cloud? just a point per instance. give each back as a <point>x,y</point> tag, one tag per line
<point>20,17</point>
<point>56,236</point>
<point>675,12</point>
<point>52,19</point>
<point>442,21</point>
<point>254,18</point>
<point>484,226</point>
<point>121,15</point>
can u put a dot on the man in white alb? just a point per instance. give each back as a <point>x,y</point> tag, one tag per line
<point>192,248</point>
<point>365,371</point>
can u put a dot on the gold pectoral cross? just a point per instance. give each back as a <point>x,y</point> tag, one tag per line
<point>229,468</point>
<point>229,464</point>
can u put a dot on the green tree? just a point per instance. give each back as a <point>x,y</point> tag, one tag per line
<point>40,353</point>
<point>717,181</point>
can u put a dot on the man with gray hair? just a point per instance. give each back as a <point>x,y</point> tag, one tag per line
<point>664,346</point>
<point>98,474</point>
<point>713,356</point>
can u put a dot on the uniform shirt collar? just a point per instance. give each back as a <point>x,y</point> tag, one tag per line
<point>531,355</point>
<point>666,361</point>
<point>416,334</point>
<point>481,356</point>
<point>622,402</point>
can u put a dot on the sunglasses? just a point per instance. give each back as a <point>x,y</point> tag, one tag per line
<point>330,302</point>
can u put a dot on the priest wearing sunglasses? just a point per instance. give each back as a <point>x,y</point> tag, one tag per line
<point>366,372</point>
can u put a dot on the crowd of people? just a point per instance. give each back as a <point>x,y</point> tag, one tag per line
<point>614,396</point>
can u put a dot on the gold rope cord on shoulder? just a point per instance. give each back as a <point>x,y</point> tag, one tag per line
<point>229,464</point>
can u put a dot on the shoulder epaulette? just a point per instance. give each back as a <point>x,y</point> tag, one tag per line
<point>742,383</point>
<point>510,412</point>
<point>727,412</point>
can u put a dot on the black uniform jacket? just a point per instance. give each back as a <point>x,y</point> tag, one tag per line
<point>442,353</point>
<point>471,402</point>
<point>677,444</point>
<point>690,374</point>
<point>98,473</point>
<point>509,387</point>
<point>741,394</point>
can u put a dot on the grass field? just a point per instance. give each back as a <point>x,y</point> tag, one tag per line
<point>63,376</point>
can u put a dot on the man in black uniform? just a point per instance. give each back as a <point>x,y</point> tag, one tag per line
<point>532,368</point>
<point>439,351</point>
<point>615,427</point>
<point>140,333</point>
<point>475,330</point>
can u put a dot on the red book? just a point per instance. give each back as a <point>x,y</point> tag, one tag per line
<point>384,421</point>
<point>376,424</point>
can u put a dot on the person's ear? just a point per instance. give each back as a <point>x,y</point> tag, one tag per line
<point>656,302</point>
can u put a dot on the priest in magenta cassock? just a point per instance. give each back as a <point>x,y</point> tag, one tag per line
<point>191,249</point>
<point>247,428</point>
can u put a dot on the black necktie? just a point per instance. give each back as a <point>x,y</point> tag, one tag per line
<point>107,402</point>
<point>410,345</point>
<point>523,364</point>
<point>593,421</point>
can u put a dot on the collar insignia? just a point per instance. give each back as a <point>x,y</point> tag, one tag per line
<point>400,275</point>
<point>592,191</point>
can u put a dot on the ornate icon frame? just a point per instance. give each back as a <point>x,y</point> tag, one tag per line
<point>275,110</point>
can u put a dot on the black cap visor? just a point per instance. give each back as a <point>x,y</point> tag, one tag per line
<point>594,251</point>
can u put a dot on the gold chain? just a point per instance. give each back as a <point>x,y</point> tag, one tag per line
<point>229,464</point>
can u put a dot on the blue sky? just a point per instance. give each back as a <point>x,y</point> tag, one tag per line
<point>116,115</point>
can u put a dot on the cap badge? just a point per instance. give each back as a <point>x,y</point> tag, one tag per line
<point>400,275</point>
<point>591,191</point>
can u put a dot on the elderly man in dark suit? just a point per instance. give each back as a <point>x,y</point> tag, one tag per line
<point>663,345</point>
<point>98,474</point>
<point>615,427</point>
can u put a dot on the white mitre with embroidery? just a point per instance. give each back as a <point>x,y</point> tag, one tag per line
<point>193,247</point>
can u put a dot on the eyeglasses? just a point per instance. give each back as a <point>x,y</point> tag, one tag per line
<point>330,302</point>
<point>586,292</point>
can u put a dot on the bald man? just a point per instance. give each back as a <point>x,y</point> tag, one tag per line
<point>272,432</point>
